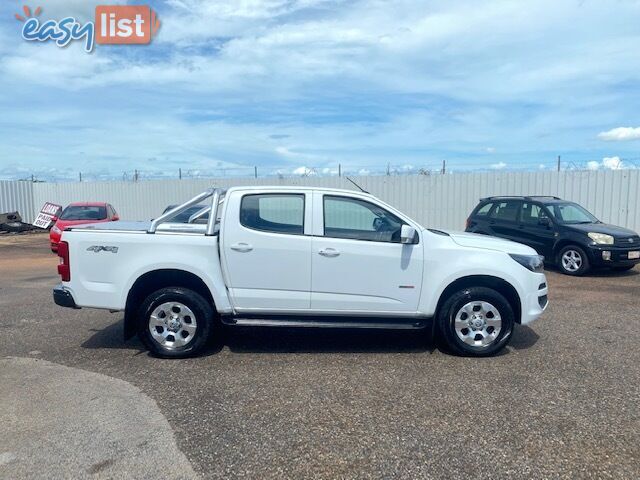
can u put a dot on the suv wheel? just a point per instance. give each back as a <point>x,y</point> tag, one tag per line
<point>572,260</point>
<point>176,322</point>
<point>476,321</point>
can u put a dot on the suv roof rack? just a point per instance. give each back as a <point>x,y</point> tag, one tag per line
<point>524,197</point>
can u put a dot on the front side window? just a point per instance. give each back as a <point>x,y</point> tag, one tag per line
<point>82,212</point>
<point>506,211</point>
<point>532,214</point>
<point>572,213</point>
<point>273,212</point>
<point>356,219</point>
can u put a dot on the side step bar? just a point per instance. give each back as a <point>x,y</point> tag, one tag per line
<point>351,322</point>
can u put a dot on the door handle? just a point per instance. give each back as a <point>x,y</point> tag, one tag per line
<point>241,247</point>
<point>328,252</point>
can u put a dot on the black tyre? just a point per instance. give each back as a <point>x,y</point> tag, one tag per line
<point>622,269</point>
<point>476,321</point>
<point>572,260</point>
<point>176,322</point>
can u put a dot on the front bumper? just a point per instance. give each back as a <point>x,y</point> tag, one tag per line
<point>619,256</point>
<point>536,302</point>
<point>63,297</point>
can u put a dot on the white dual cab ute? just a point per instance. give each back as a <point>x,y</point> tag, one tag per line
<point>299,257</point>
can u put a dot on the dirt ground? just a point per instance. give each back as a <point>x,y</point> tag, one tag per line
<point>561,402</point>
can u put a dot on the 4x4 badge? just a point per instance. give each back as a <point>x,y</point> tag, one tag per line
<point>100,248</point>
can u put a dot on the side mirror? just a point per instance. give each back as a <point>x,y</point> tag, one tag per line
<point>544,221</point>
<point>408,235</point>
<point>115,218</point>
<point>54,219</point>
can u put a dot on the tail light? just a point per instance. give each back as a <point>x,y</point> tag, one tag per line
<point>64,268</point>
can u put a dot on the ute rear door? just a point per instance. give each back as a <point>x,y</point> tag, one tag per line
<point>266,245</point>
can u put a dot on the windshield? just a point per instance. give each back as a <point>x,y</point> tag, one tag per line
<point>571,213</point>
<point>77,212</point>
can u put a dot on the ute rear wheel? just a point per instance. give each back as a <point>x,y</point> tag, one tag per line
<point>176,322</point>
<point>476,321</point>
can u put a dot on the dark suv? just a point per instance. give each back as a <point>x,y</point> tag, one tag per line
<point>564,232</point>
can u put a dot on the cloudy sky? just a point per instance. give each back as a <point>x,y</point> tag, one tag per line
<point>288,84</point>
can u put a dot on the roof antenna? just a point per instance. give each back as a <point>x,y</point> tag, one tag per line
<point>361,189</point>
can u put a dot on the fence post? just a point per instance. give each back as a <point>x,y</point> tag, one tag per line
<point>179,173</point>
<point>558,162</point>
<point>339,170</point>
<point>444,167</point>
<point>255,172</point>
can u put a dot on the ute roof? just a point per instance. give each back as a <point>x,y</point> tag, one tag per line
<point>298,188</point>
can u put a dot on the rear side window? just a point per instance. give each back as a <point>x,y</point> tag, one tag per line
<point>506,211</point>
<point>483,211</point>
<point>273,212</point>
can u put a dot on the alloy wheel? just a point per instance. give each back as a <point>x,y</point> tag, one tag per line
<point>478,324</point>
<point>172,325</point>
<point>571,261</point>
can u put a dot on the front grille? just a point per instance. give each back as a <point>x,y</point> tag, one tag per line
<point>633,241</point>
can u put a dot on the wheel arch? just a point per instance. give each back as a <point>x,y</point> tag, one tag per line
<point>155,280</point>
<point>565,242</point>
<point>496,283</point>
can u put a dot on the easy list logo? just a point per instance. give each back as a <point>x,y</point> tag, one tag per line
<point>114,24</point>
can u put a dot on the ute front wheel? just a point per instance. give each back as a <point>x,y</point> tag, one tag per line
<point>476,321</point>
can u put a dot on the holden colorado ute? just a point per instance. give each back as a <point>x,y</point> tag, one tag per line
<point>299,257</point>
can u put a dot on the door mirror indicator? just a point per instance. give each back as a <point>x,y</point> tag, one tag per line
<point>408,235</point>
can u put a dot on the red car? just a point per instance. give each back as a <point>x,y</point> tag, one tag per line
<point>79,213</point>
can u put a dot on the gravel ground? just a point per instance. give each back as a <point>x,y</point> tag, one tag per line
<point>561,402</point>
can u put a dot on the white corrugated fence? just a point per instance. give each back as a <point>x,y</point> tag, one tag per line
<point>441,201</point>
<point>17,197</point>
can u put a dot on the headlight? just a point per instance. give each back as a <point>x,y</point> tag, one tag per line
<point>55,229</point>
<point>601,238</point>
<point>535,263</point>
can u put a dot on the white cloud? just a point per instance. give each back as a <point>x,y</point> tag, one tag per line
<point>304,172</point>
<point>607,163</point>
<point>620,134</point>
<point>490,150</point>
<point>498,166</point>
<point>612,163</point>
<point>593,165</point>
